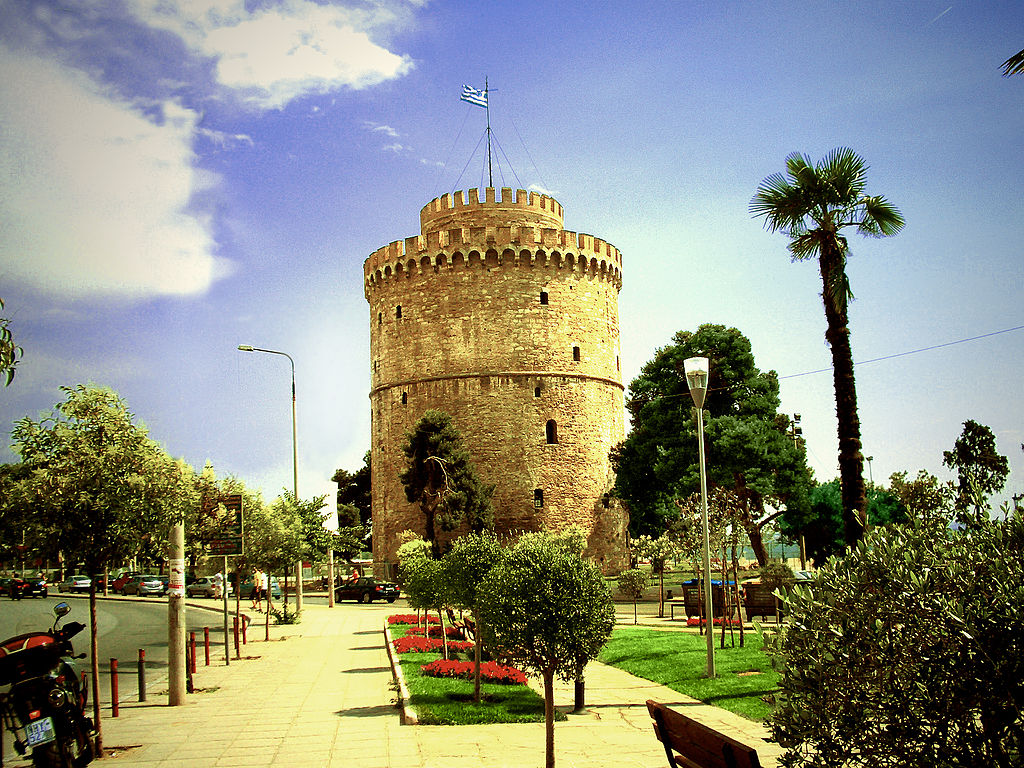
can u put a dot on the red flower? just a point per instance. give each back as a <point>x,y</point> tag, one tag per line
<point>693,621</point>
<point>490,671</point>
<point>417,644</point>
<point>410,618</point>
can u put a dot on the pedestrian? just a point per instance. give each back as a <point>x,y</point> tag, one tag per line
<point>257,591</point>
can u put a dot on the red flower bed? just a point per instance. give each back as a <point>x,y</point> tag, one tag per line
<point>490,671</point>
<point>419,644</point>
<point>435,631</point>
<point>410,618</point>
<point>693,621</point>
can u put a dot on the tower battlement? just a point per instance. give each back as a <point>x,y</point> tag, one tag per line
<point>528,209</point>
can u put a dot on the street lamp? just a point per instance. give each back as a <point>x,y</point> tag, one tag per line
<point>295,461</point>
<point>696,369</point>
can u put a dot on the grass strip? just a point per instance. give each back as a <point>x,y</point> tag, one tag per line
<point>678,660</point>
<point>449,701</point>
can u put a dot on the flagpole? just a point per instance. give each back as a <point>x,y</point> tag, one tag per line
<point>487,108</point>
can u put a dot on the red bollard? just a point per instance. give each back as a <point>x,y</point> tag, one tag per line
<point>237,654</point>
<point>245,628</point>
<point>206,642</point>
<point>114,694</point>
<point>192,652</point>
<point>142,674</point>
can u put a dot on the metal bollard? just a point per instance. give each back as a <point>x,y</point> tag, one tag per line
<point>142,674</point>
<point>114,693</point>
<point>237,654</point>
<point>206,642</point>
<point>245,628</point>
<point>192,652</point>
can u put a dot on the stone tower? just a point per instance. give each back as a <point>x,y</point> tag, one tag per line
<point>499,317</point>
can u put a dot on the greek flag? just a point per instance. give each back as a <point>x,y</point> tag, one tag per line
<point>473,96</point>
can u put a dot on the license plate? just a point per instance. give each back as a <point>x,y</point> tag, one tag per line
<point>40,732</point>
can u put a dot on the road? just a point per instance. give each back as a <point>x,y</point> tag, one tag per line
<point>124,625</point>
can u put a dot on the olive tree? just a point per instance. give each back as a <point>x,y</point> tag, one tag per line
<point>907,651</point>
<point>548,610</point>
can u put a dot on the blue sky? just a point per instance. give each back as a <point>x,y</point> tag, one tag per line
<point>179,177</point>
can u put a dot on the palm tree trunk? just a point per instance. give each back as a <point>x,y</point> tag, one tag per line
<point>851,460</point>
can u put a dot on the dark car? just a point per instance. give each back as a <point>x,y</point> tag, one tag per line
<point>18,587</point>
<point>366,589</point>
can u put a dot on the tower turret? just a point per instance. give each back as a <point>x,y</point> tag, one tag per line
<point>498,316</point>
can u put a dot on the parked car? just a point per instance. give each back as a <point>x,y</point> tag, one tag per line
<point>366,589</point>
<point>18,587</point>
<point>117,585</point>
<point>275,588</point>
<point>76,583</point>
<point>205,586</point>
<point>144,585</point>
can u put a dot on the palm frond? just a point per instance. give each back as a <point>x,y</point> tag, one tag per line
<point>1014,65</point>
<point>880,217</point>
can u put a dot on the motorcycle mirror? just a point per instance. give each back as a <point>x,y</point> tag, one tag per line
<point>61,609</point>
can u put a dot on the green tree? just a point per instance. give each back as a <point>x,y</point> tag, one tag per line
<point>747,449</point>
<point>822,524</point>
<point>925,497</point>
<point>10,353</point>
<point>546,609</point>
<point>981,471</point>
<point>908,651</point>
<point>466,565</point>
<point>658,551</point>
<point>633,583</point>
<point>813,204</point>
<point>98,483</point>
<point>442,480</point>
<point>354,492</point>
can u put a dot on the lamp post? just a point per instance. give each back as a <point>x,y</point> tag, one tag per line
<point>295,463</point>
<point>696,369</point>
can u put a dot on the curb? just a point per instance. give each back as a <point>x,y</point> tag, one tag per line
<point>409,716</point>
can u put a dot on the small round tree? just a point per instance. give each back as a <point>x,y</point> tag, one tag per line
<point>466,565</point>
<point>546,609</point>
<point>632,584</point>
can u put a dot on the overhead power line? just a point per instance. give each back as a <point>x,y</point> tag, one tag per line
<point>911,352</point>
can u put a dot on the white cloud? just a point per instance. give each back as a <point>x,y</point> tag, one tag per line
<point>94,196</point>
<point>273,55</point>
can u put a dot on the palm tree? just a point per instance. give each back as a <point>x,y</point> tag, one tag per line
<point>1014,65</point>
<point>813,204</point>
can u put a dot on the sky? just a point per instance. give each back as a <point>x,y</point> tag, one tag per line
<point>178,177</point>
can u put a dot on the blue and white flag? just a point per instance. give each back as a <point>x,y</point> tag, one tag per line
<point>473,96</point>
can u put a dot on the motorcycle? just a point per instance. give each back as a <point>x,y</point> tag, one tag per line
<point>45,706</point>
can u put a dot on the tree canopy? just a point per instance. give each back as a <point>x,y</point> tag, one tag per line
<point>981,470</point>
<point>10,353</point>
<point>441,479</point>
<point>822,523</point>
<point>748,451</point>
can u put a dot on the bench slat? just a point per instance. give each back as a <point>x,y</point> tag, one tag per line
<point>691,744</point>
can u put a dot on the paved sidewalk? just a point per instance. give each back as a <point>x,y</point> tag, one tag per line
<point>320,693</point>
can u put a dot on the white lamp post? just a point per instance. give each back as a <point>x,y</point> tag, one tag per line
<point>696,369</point>
<point>295,463</point>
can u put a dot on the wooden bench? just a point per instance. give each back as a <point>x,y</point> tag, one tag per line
<point>465,625</point>
<point>690,744</point>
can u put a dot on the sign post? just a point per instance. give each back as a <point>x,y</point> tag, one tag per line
<point>229,544</point>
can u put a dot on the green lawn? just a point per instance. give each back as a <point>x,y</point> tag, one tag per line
<point>679,660</point>
<point>447,701</point>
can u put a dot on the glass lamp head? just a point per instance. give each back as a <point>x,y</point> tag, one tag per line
<point>696,369</point>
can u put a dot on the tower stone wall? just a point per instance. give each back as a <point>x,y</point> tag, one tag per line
<point>507,322</point>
